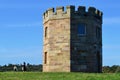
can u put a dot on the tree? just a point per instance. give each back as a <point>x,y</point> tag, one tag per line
<point>117,70</point>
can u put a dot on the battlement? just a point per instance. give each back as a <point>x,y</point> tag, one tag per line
<point>70,11</point>
<point>72,39</point>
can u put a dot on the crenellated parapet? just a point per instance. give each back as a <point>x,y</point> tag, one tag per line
<point>70,11</point>
<point>72,39</point>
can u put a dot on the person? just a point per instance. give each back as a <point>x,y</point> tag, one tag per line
<point>15,68</point>
<point>24,67</point>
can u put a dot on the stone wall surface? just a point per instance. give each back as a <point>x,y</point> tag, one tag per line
<point>57,45</point>
<point>65,50</point>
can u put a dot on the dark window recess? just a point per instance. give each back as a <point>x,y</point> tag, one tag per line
<point>46,31</point>
<point>81,29</point>
<point>45,58</point>
<point>98,32</point>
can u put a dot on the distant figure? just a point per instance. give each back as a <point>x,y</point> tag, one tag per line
<point>24,67</point>
<point>15,68</point>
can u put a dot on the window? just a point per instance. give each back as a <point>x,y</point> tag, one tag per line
<point>45,58</point>
<point>81,29</point>
<point>98,32</point>
<point>46,31</point>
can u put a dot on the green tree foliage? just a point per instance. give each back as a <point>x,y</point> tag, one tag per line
<point>117,70</point>
<point>112,69</point>
<point>29,67</point>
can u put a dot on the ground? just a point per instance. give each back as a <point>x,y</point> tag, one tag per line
<point>57,76</point>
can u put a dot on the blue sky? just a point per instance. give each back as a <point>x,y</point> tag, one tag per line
<point>21,29</point>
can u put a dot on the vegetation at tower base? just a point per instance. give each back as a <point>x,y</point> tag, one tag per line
<point>38,68</point>
<point>111,69</point>
<point>30,67</point>
<point>72,40</point>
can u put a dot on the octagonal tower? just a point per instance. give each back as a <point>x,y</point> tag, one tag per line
<point>72,40</point>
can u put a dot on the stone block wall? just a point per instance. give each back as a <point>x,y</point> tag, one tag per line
<point>65,50</point>
<point>57,46</point>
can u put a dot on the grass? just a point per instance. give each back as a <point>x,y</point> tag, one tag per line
<point>57,76</point>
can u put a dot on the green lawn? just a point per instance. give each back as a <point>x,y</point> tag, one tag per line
<point>57,76</point>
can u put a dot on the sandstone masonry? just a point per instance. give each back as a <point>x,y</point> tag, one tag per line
<point>72,40</point>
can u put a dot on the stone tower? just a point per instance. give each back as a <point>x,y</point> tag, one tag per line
<point>72,40</point>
